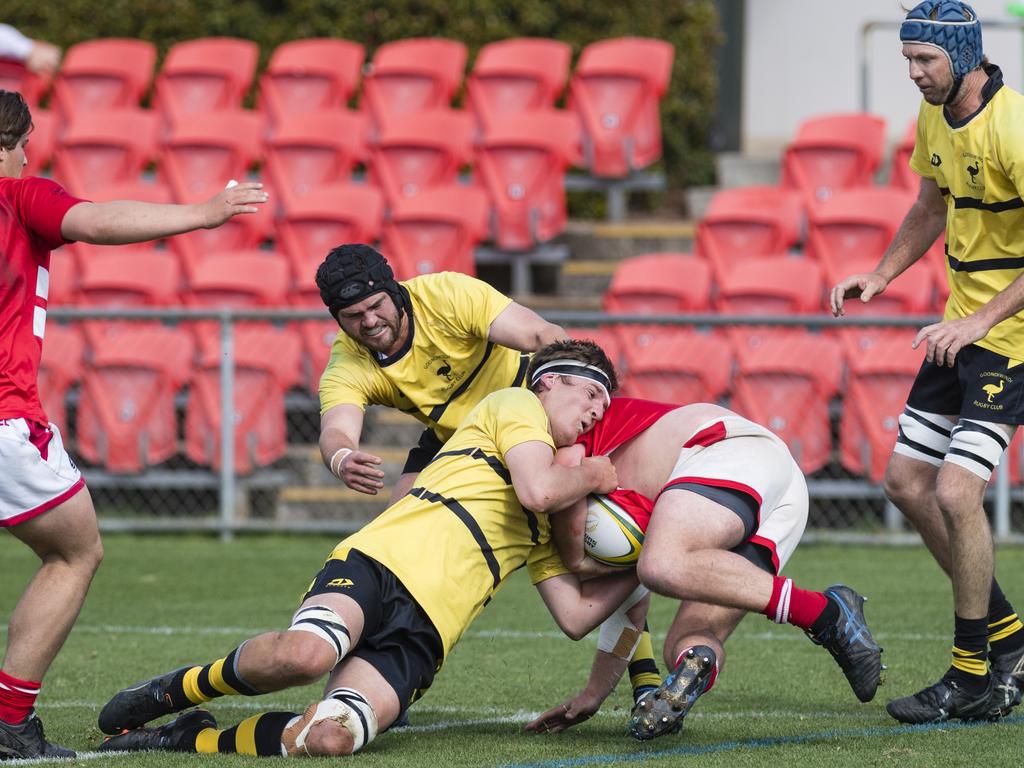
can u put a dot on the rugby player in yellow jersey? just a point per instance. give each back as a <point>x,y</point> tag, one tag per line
<point>433,346</point>
<point>967,399</point>
<point>394,598</point>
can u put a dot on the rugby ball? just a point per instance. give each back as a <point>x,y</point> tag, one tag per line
<point>611,536</point>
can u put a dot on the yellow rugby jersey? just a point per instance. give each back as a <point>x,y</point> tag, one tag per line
<point>446,367</point>
<point>979,167</point>
<point>462,531</point>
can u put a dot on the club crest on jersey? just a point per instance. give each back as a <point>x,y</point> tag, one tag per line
<point>973,169</point>
<point>936,160</point>
<point>442,367</point>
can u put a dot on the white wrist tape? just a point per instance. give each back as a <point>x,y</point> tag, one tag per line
<point>339,458</point>
<point>618,636</point>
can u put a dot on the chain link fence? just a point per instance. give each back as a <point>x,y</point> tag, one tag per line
<point>138,395</point>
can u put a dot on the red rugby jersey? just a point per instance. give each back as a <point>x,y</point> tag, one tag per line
<point>31,212</point>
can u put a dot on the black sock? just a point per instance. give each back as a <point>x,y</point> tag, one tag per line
<point>1004,626</point>
<point>827,617</point>
<point>970,654</point>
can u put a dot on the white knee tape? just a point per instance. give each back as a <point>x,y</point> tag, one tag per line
<point>977,446</point>
<point>346,707</point>
<point>324,623</point>
<point>618,635</point>
<point>923,436</point>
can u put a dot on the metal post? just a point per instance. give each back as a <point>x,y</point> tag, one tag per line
<point>893,517</point>
<point>1001,510</point>
<point>616,201</point>
<point>227,427</point>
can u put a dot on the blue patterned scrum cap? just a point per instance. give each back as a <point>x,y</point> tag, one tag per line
<point>949,25</point>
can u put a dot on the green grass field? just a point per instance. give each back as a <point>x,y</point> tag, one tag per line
<point>160,602</point>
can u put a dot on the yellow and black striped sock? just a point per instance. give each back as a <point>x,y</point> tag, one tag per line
<point>643,669</point>
<point>196,685</point>
<point>970,653</point>
<point>259,736</point>
<point>1004,626</point>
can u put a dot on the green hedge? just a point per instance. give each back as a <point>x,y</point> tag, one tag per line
<point>690,25</point>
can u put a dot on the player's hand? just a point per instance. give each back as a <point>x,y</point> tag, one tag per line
<point>359,471</point>
<point>572,712</point>
<point>865,286</point>
<point>947,338</point>
<point>588,568</point>
<point>43,59</point>
<point>229,202</point>
<point>605,479</point>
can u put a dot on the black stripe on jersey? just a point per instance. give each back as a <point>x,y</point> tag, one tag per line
<point>438,410</point>
<point>531,520</point>
<point>475,453</point>
<point>922,420</point>
<point>524,363</point>
<point>470,522</point>
<point>980,205</point>
<point>972,426</point>
<point>973,457</point>
<point>902,438</point>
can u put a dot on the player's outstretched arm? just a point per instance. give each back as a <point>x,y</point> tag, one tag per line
<point>132,221</point>
<point>521,328</point>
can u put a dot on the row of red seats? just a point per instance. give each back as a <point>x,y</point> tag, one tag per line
<point>308,164</point>
<point>614,91</point>
<point>786,379</point>
<point>786,284</point>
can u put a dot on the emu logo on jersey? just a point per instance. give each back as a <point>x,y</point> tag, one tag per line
<point>442,366</point>
<point>936,160</point>
<point>973,170</point>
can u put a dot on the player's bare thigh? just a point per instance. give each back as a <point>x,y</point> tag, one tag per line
<point>68,531</point>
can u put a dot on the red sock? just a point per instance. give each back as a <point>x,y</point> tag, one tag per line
<point>16,698</point>
<point>791,604</point>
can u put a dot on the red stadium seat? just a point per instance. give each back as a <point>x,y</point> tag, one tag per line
<point>40,142</point>
<point>900,174</point>
<point>327,217</point>
<point>103,147</point>
<point>436,231</point>
<point>122,278</point>
<point>317,339</point>
<point>749,222</point>
<point>677,365</point>
<point>204,75</point>
<point>853,224</point>
<point>126,412</point>
<point>518,75</point>
<point>310,75</point>
<point>313,148</point>
<point>15,77</point>
<point>206,151</point>
<point>833,152</point>
<point>267,363</point>
<point>412,75</point>
<point>658,284</point>
<point>245,232</point>
<point>59,368</point>
<point>413,153</point>
<point>522,163</point>
<point>251,256</point>
<point>777,286</point>
<point>876,390</point>
<point>616,89</point>
<point>786,383</point>
<point>104,74</point>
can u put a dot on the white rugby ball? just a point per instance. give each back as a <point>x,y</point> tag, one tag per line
<point>611,536</point>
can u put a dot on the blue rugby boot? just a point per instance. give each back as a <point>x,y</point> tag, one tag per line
<point>850,642</point>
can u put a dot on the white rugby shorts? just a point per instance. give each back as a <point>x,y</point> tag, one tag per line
<point>36,473</point>
<point>735,453</point>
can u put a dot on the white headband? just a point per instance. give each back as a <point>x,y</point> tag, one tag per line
<point>578,370</point>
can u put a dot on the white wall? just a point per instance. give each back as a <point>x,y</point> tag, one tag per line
<point>802,58</point>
